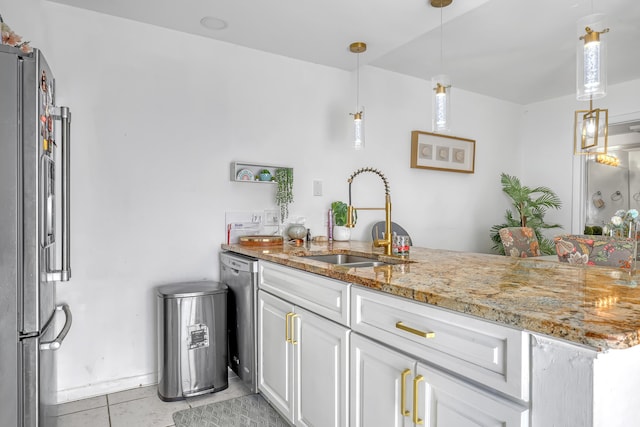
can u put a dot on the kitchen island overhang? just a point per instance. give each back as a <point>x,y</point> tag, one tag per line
<point>596,307</point>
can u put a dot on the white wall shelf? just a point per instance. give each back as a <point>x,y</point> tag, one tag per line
<point>237,168</point>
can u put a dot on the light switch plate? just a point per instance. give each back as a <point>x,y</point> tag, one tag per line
<point>317,188</point>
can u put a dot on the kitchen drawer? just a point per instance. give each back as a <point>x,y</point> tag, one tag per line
<point>488,353</point>
<point>327,297</point>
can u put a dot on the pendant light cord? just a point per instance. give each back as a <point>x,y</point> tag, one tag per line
<point>357,82</point>
<point>441,43</point>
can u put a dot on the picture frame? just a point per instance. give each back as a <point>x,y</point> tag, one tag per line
<point>442,152</point>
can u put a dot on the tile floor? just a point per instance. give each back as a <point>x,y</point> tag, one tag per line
<point>140,407</point>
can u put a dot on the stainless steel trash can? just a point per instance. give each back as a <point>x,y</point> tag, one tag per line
<point>192,339</point>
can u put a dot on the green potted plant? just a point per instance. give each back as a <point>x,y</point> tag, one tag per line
<point>530,205</point>
<point>265,175</point>
<point>340,211</point>
<point>284,190</point>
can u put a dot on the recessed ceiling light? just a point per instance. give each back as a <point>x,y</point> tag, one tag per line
<point>213,23</point>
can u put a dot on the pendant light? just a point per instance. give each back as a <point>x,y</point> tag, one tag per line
<point>591,70</point>
<point>591,128</point>
<point>358,116</point>
<point>441,85</point>
<point>590,135</point>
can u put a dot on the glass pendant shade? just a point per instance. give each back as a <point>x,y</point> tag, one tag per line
<point>591,70</point>
<point>358,130</point>
<point>441,108</point>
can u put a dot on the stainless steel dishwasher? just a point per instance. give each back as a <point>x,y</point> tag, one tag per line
<point>240,274</point>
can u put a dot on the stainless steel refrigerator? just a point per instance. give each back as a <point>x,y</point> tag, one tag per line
<point>34,237</point>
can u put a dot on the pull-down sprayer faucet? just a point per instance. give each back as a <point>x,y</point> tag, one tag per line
<point>387,242</point>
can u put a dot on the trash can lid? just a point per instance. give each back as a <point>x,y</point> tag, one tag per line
<point>191,289</point>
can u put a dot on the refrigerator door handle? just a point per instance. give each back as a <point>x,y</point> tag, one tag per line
<point>55,344</point>
<point>64,274</point>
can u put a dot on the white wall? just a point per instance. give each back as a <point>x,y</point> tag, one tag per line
<point>157,118</point>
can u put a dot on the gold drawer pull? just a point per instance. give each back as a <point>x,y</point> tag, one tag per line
<point>416,381</point>
<point>422,334</point>
<point>403,393</point>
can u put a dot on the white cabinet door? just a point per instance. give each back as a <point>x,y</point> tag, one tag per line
<point>380,376</point>
<point>275,361</point>
<point>381,385</point>
<point>303,363</point>
<point>449,402</point>
<point>321,371</point>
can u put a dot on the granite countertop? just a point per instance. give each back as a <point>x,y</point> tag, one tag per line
<point>594,306</point>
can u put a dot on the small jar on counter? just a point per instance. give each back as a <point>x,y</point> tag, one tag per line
<point>401,245</point>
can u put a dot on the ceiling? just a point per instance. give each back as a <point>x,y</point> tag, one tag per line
<point>521,51</point>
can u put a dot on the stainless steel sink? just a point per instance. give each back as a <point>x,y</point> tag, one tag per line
<point>347,260</point>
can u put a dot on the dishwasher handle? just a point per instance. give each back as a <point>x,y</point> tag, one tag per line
<point>239,264</point>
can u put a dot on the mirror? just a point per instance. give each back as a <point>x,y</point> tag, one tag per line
<point>610,188</point>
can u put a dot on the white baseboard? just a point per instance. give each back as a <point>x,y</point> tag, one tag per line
<point>106,387</point>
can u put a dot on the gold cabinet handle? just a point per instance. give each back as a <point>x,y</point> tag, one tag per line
<point>287,323</point>
<point>420,333</point>
<point>293,328</point>
<point>416,381</point>
<point>403,393</point>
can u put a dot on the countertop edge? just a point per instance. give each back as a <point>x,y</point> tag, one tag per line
<point>539,325</point>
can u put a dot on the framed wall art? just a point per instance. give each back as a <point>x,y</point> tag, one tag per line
<point>442,152</point>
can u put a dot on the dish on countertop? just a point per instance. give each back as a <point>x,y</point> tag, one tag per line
<point>260,240</point>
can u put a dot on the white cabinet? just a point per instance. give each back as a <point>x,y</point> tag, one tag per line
<point>390,388</point>
<point>303,358</point>
<point>436,368</point>
<point>404,364</point>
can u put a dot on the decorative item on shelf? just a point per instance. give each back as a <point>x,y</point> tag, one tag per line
<point>244,175</point>
<point>12,39</point>
<point>265,175</point>
<point>441,84</point>
<point>607,159</point>
<point>623,224</point>
<point>530,212</point>
<point>593,230</point>
<point>340,230</point>
<point>616,196</point>
<point>358,116</point>
<point>284,190</point>
<point>591,126</point>
<point>597,200</point>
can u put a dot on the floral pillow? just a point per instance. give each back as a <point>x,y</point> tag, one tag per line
<point>596,250</point>
<point>519,242</point>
